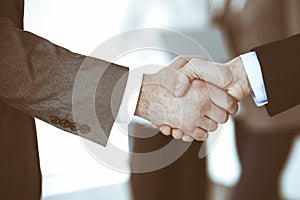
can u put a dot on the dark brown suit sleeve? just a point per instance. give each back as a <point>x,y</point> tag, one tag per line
<point>75,93</point>
<point>280,64</point>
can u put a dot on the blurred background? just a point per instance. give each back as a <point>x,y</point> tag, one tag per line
<point>257,157</point>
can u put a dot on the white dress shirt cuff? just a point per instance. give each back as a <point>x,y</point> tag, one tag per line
<point>130,97</point>
<point>254,73</point>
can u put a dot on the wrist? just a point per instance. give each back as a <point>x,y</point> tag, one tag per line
<point>240,78</point>
<point>154,98</point>
<point>143,104</point>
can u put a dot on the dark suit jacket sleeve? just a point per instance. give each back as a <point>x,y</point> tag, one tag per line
<point>280,64</point>
<point>75,93</point>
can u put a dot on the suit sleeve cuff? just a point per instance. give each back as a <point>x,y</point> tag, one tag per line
<point>254,73</point>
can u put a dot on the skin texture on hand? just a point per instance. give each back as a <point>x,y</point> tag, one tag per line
<point>199,110</point>
<point>230,76</point>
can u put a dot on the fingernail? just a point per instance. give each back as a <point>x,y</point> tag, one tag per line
<point>187,138</point>
<point>176,135</point>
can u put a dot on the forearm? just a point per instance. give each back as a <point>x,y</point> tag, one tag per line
<point>280,63</point>
<point>38,78</point>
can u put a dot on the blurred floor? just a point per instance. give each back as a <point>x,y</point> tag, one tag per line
<point>111,192</point>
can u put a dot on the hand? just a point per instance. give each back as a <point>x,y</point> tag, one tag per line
<point>230,76</point>
<point>198,111</point>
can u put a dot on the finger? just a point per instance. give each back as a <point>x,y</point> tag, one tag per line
<point>222,99</point>
<point>217,114</point>
<point>180,61</point>
<point>182,84</point>
<point>207,124</point>
<point>187,138</point>
<point>177,133</point>
<point>154,125</point>
<point>214,73</point>
<point>185,75</point>
<point>200,134</point>
<point>166,130</point>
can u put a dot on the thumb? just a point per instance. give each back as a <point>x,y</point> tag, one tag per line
<point>214,73</point>
<point>182,83</point>
<point>190,71</point>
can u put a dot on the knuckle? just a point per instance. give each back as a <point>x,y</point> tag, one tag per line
<point>180,57</point>
<point>194,63</point>
<point>209,106</point>
<point>195,84</point>
<point>201,136</point>
<point>199,86</point>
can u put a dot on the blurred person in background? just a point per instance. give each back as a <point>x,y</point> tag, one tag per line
<point>263,142</point>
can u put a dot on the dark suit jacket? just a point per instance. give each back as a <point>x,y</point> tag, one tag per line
<point>57,86</point>
<point>280,63</point>
<point>37,80</point>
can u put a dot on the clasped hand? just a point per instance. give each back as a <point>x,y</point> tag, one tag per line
<point>191,96</point>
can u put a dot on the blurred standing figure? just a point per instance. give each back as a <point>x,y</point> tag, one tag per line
<point>19,169</point>
<point>263,142</point>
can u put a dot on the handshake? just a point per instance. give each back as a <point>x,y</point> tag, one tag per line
<point>191,96</point>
